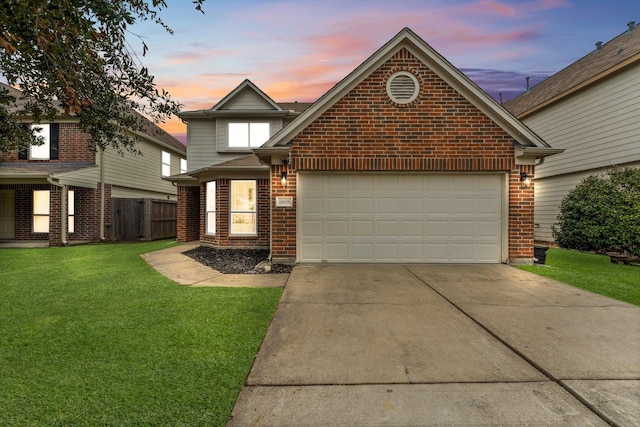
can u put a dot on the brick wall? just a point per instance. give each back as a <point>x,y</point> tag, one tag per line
<point>439,131</point>
<point>188,214</point>
<point>222,237</point>
<point>87,213</point>
<point>73,148</point>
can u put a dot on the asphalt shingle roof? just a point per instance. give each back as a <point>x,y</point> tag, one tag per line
<point>623,48</point>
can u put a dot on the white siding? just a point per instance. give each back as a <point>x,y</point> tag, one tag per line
<point>599,127</point>
<point>549,193</point>
<point>141,172</point>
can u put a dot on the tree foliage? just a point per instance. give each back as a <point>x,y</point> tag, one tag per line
<point>71,58</point>
<point>602,214</point>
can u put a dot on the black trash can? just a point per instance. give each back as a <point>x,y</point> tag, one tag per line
<point>540,253</point>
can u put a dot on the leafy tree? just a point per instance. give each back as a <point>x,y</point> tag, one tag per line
<point>602,214</point>
<point>71,58</point>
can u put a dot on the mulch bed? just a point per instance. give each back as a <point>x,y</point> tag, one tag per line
<point>235,261</point>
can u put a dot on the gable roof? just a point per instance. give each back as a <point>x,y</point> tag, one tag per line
<point>220,109</point>
<point>617,54</point>
<point>437,63</point>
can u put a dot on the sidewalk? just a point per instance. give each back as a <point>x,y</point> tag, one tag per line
<point>188,272</point>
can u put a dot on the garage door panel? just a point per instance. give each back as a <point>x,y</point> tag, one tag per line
<point>412,229</point>
<point>438,205</point>
<point>361,228</point>
<point>362,205</point>
<point>337,227</point>
<point>387,228</point>
<point>400,218</point>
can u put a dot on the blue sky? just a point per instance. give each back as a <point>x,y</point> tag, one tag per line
<point>296,50</point>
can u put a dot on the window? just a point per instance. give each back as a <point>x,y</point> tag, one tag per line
<point>243,207</point>
<point>71,211</point>
<point>166,163</point>
<point>248,135</point>
<point>183,165</point>
<point>41,211</point>
<point>41,152</point>
<point>211,207</point>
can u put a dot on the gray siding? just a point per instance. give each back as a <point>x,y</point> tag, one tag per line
<point>248,100</point>
<point>549,193</point>
<point>141,172</point>
<point>201,150</point>
<point>599,127</point>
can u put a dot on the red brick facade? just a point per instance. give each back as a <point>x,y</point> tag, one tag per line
<point>188,214</point>
<point>222,238</point>
<point>87,213</point>
<point>73,148</point>
<point>440,131</point>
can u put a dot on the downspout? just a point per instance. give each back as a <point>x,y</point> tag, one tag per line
<point>102,237</point>
<point>63,210</point>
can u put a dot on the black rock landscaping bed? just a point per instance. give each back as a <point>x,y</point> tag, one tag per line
<point>235,261</point>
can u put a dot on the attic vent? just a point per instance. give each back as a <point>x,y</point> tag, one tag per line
<point>402,87</point>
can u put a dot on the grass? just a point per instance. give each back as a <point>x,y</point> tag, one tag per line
<point>593,273</point>
<point>91,335</point>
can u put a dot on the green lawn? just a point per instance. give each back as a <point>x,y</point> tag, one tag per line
<point>91,335</point>
<point>593,273</point>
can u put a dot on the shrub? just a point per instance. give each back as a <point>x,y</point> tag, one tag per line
<point>602,214</point>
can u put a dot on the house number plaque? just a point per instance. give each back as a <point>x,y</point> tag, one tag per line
<point>284,202</point>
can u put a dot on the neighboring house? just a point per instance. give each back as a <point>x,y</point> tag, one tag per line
<point>404,160</point>
<point>591,109</point>
<point>62,192</point>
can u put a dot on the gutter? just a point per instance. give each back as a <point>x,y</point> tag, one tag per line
<point>63,209</point>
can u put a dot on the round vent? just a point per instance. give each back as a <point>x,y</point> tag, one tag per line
<point>402,87</point>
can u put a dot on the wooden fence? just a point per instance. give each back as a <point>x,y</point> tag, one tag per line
<point>142,219</point>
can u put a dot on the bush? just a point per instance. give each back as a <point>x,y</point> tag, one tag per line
<point>602,214</point>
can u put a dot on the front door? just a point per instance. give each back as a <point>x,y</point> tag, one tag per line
<point>7,214</point>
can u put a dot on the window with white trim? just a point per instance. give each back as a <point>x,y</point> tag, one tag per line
<point>243,135</point>
<point>211,207</point>
<point>71,211</point>
<point>183,165</point>
<point>243,208</point>
<point>41,152</point>
<point>41,211</point>
<point>166,163</point>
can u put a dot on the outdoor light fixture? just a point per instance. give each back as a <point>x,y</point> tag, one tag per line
<point>525,180</point>
<point>283,174</point>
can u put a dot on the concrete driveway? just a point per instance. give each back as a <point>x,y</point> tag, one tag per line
<point>442,345</point>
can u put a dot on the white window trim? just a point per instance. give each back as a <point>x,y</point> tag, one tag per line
<point>253,211</point>
<point>71,211</point>
<point>43,214</point>
<point>41,152</point>
<point>249,146</point>
<point>166,163</point>
<point>183,165</point>
<point>210,209</point>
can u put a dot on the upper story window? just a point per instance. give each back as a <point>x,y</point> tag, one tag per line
<point>166,163</point>
<point>49,132</point>
<point>246,135</point>
<point>183,165</point>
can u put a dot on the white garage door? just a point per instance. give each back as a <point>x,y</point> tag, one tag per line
<point>399,218</point>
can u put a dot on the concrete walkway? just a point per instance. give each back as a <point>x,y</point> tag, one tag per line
<point>442,345</point>
<point>186,271</point>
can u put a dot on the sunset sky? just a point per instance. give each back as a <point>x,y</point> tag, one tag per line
<point>297,50</point>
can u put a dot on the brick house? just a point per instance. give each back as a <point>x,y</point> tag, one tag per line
<point>404,160</point>
<point>62,192</point>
